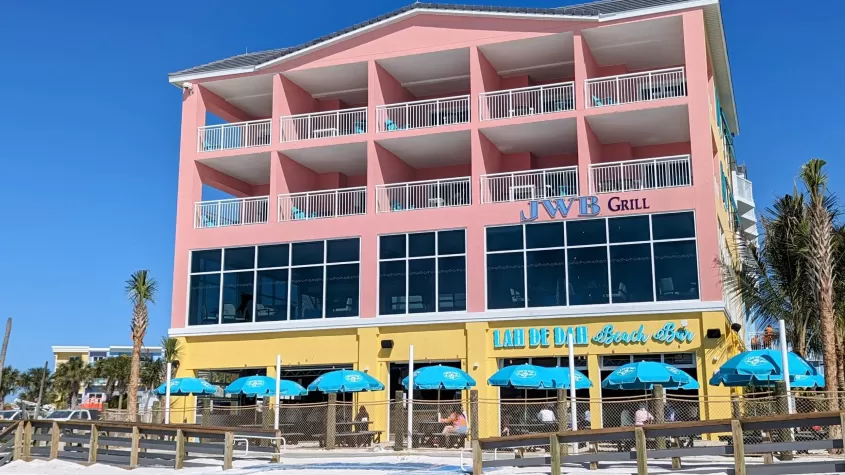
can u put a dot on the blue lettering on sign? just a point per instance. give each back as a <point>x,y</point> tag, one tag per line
<point>608,336</point>
<point>558,336</point>
<point>669,333</point>
<point>587,206</point>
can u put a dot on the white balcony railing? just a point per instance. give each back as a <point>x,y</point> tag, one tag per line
<point>323,204</point>
<point>445,193</point>
<point>232,212</point>
<point>529,185</point>
<point>526,101</point>
<point>422,114</point>
<point>323,124</point>
<point>254,133</point>
<point>631,175</point>
<point>636,87</point>
<point>744,189</point>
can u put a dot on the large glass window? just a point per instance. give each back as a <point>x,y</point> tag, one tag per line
<point>422,272</point>
<point>642,258</point>
<point>303,280</point>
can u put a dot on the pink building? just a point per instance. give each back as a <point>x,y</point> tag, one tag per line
<point>441,175</point>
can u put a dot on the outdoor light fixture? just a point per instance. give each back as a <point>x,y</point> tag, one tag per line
<point>736,327</point>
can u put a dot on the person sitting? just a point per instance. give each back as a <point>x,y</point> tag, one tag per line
<point>643,416</point>
<point>546,415</point>
<point>456,423</point>
<point>364,417</point>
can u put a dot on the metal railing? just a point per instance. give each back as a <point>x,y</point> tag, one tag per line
<point>636,87</point>
<point>231,212</point>
<point>445,193</point>
<point>630,175</point>
<point>529,185</point>
<point>323,124</point>
<point>527,101</point>
<point>422,114</point>
<point>744,189</point>
<point>253,133</point>
<point>323,204</point>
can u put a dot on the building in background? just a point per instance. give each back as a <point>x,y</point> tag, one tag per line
<point>92,395</point>
<point>477,182</point>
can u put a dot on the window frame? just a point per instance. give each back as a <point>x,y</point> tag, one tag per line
<point>255,282</point>
<point>407,258</point>
<point>651,241</point>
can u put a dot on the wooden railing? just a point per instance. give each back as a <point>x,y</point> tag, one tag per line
<point>739,445</point>
<point>131,445</point>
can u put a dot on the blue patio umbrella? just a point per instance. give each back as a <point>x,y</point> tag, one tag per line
<point>765,368</point>
<point>643,375</point>
<point>441,377</point>
<point>264,386</point>
<point>345,381</point>
<point>560,376</point>
<point>187,387</point>
<point>524,376</point>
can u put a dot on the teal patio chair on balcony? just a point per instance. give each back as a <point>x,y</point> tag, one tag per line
<point>390,125</point>
<point>299,214</point>
<point>608,101</point>
<point>397,206</point>
<point>360,127</point>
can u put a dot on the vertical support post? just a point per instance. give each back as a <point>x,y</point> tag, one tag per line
<point>784,353</point>
<point>736,410</point>
<point>55,433</point>
<point>573,402</point>
<point>476,457</point>
<point>739,448</point>
<point>228,449</point>
<point>594,448</point>
<point>410,397</point>
<point>473,414</point>
<point>562,415</point>
<point>399,422</point>
<point>642,451</point>
<point>167,393</point>
<point>554,451</point>
<point>27,439</point>
<point>17,451</point>
<point>180,450</point>
<point>660,412</point>
<point>331,421</point>
<point>782,401</point>
<point>277,446</point>
<point>133,449</point>
<point>93,442</point>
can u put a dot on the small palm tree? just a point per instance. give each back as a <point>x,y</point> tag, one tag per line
<point>820,249</point>
<point>70,378</point>
<point>141,288</point>
<point>171,352</point>
<point>30,383</point>
<point>10,383</point>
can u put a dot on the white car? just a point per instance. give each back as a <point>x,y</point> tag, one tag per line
<point>10,415</point>
<point>74,415</point>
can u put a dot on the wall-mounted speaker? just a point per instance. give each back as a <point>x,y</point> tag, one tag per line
<point>386,344</point>
<point>714,333</point>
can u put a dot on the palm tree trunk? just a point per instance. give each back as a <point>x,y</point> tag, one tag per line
<point>3,350</point>
<point>134,375</point>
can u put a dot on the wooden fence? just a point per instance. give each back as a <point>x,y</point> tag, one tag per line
<point>653,442</point>
<point>129,445</point>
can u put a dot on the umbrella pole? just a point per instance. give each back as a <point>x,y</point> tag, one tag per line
<point>167,394</point>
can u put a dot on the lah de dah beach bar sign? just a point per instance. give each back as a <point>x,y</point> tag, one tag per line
<point>545,337</point>
<point>582,205</point>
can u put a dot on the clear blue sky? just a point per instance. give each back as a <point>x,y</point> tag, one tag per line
<point>90,131</point>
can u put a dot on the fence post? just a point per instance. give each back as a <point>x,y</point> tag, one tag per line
<point>642,451</point>
<point>17,451</point>
<point>277,445</point>
<point>27,439</point>
<point>228,449</point>
<point>736,410</point>
<point>739,447</point>
<point>93,442</point>
<point>399,422</point>
<point>180,450</point>
<point>55,433</point>
<point>133,450</point>
<point>660,412</point>
<point>476,457</point>
<point>554,451</point>
<point>473,414</point>
<point>842,429</point>
<point>331,421</point>
<point>562,413</point>
<point>784,435</point>
<point>206,413</point>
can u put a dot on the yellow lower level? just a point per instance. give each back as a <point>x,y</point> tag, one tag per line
<point>479,346</point>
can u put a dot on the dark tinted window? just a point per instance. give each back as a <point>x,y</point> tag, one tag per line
<point>629,229</point>
<point>421,283</point>
<point>544,235</point>
<point>237,297</point>
<point>342,250</point>
<point>421,244</point>
<point>272,299</point>
<point>673,225</point>
<point>676,270</point>
<point>587,275</point>
<point>505,280</point>
<point>273,256</point>
<point>504,238</point>
<point>584,232</point>
<point>305,253</point>
<point>451,242</point>
<point>546,278</point>
<point>204,299</point>
<point>239,258</point>
<point>342,290</point>
<point>452,295</point>
<point>392,247</point>
<point>306,293</point>
<point>630,272</point>
<point>206,261</point>
<point>392,287</point>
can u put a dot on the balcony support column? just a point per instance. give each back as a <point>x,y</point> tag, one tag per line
<point>589,151</point>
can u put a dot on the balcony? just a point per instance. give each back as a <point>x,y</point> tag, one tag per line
<point>445,193</point>
<point>529,185</point>
<point>635,87</point>
<point>323,124</point>
<point>744,190</point>
<point>422,114</point>
<point>323,204</point>
<point>232,212</point>
<point>634,175</point>
<point>527,101</point>
<point>253,133</point>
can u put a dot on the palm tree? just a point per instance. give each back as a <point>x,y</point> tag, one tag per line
<point>771,280</point>
<point>30,382</point>
<point>116,372</point>
<point>821,267</point>
<point>152,373</point>
<point>70,378</point>
<point>10,382</point>
<point>171,352</point>
<point>141,288</point>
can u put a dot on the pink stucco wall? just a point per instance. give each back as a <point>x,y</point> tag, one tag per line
<point>421,34</point>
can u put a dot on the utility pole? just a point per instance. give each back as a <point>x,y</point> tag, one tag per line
<point>3,351</point>
<point>41,389</point>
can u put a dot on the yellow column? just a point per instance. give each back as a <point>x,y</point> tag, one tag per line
<point>367,360</point>
<point>480,365</point>
<point>595,391</point>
